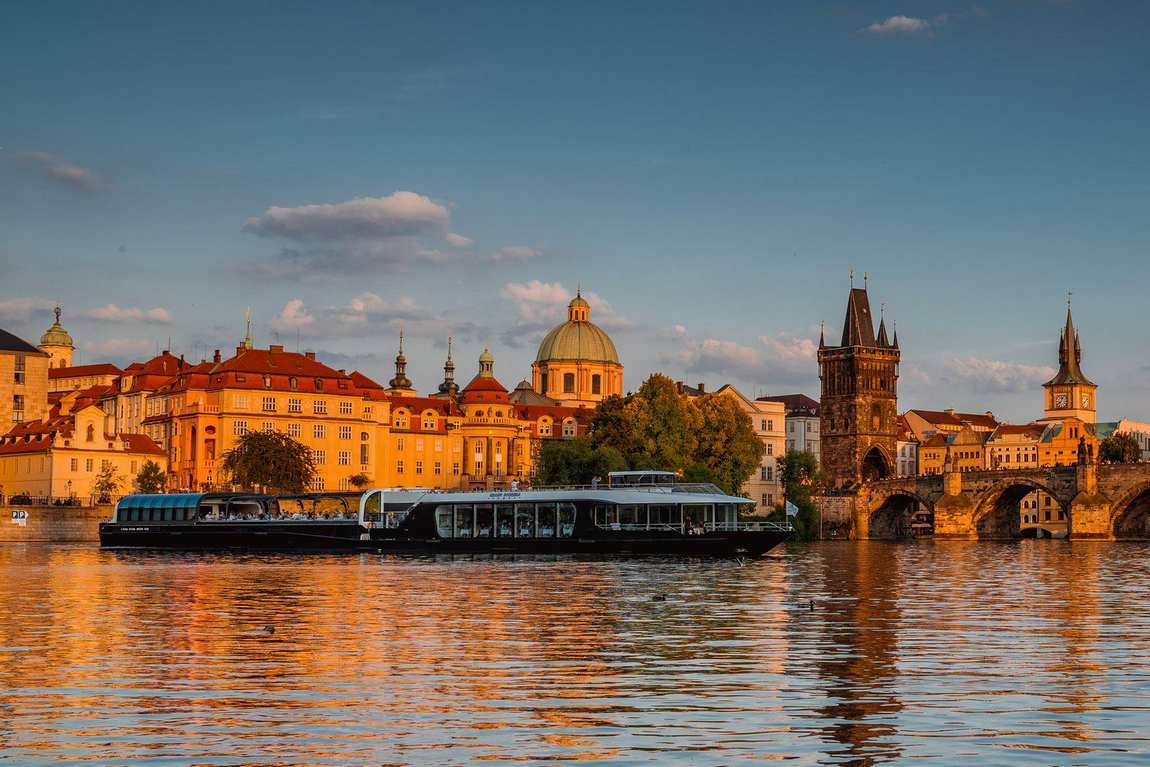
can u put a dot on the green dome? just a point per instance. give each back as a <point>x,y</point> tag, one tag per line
<point>577,340</point>
<point>56,335</point>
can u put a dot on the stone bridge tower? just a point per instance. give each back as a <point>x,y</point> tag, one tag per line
<point>859,408</point>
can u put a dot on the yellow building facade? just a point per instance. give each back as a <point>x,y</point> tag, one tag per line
<point>23,381</point>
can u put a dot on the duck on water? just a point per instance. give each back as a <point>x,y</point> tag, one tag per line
<point>636,513</point>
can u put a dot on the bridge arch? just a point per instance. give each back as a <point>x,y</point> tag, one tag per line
<point>996,510</point>
<point>1130,514</point>
<point>876,464</point>
<point>889,515</point>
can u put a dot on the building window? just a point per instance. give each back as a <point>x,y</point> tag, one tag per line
<point>345,407</point>
<point>74,464</point>
<point>429,421</point>
<point>240,428</point>
<point>419,467</point>
<point>596,384</point>
<point>399,444</point>
<point>763,473</point>
<point>89,464</point>
<point>18,373</point>
<point>345,458</point>
<point>317,484</point>
<point>295,405</point>
<point>544,429</point>
<point>345,432</point>
<point>765,501</point>
<point>399,467</point>
<point>543,382</point>
<point>319,407</point>
<point>437,468</point>
<point>294,430</point>
<point>568,429</point>
<point>240,402</point>
<point>363,454</point>
<point>568,383</point>
<point>269,404</point>
<point>455,468</point>
<point>770,425</point>
<point>770,448</point>
<point>763,425</point>
<point>320,456</point>
<point>419,446</point>
<point>439,446</point>
<point>319,431</point>
<point>18,408</point>
<point>400,419</point>
<point>269,426</point>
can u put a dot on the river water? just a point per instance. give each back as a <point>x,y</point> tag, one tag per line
<point>1036,652</point>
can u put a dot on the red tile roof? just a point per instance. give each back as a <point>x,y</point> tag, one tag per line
<point>952,418</point>
<point>794,403</point>
<point>77,371</point>
<point>141,443</point>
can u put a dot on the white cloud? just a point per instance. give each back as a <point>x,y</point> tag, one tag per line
<point>120,348</point>
<point>899,25</point>
<point>18,309</point>
<point>294,316</point>
<point>781,360</point>
<point>538,301</point>
<point>114,313</point>
<point>983,375</point>
<point>399,214</point>
<point>515,253</point>
<point>61,170</point>
<point>679,331</point>
<point>458,240</point>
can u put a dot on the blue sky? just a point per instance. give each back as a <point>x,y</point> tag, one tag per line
<point>708,172</point>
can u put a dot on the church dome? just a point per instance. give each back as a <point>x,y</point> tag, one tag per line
<point>578,338</point>
<point>56,335</point>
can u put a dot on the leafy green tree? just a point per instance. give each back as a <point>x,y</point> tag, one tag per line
<point>1120,447</point>
<point>270,460</point>
<point>611,425</point>
<point>359,481</point>
<point>106,483</point>
<point>799,473</point>
<point>576,462</point>
<point>725,441</point>
<point>150,478</point>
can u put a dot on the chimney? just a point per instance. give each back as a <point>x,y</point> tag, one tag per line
<point>239,350</point>
<point>275,348</point>
<point>309,355</point>
<point>950,411</point>
<point>702,388</point>
<point>216,356</point>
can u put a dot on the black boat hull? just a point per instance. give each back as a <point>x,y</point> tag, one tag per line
<point>271,536</point>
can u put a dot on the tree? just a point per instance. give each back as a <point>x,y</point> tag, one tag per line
<point>359,481</point>
<point>725,441</point>
<point>576,461</point>
<point>799,473</point>
<point>107,482</point>
<point>650,428</point>
<point>270,460</point>
<point>1120,447</point>
<point>150,479</point>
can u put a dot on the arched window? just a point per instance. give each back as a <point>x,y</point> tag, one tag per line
<point>569,428</point>
<point>543,382</point>
<point>429,420</point>
<point>568,383</point>
<point>596,384</point>
<point>400,419</point>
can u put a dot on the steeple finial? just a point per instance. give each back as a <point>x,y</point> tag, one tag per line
<point>401,381</point>
<point>57,314</point>
<point>248,328</point>
<point>894,342</point>
<point>822,339</point>
<point>852,278</point>
<point>866,278</point>
<point>401,339</point>
<point>449,348</point>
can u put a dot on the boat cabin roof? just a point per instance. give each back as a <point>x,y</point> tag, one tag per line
<point>608,495</point>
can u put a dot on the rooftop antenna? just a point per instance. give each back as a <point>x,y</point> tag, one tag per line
<point>852,277</point>
<point>248,328</point>
<point>866,276</point>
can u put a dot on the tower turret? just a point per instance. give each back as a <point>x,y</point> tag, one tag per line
<point>401,383</point>
<point>57,344</point>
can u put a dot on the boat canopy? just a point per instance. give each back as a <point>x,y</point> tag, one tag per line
<point>160,501</point>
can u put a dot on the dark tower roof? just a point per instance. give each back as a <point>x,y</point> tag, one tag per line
<point>449,387</point>
<point>401,381</point>
<point>882,339</point>
<point>11,343</point>
<point>858,328</point>
<point>1069,357</point>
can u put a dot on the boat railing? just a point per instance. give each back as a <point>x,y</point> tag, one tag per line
<point>703,527</point>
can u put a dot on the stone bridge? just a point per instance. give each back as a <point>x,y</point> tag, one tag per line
<point>1109,501</point>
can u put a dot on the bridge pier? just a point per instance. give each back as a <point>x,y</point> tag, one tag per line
<point>953,511</point>
<point>1091,511</point>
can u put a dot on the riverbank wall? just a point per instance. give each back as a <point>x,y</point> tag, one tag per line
<point>52,524</point>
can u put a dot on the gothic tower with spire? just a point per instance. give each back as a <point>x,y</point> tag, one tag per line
<point>1070,394</point>
<point>858,414</point>
<point>448,389</point>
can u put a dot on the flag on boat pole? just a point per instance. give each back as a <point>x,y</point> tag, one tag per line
<point>792,510</point>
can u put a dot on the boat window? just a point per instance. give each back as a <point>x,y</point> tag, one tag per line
<point>524,520</point>
<point>483,520</point>
<point>566,520</point>
<point>372,507</point>
<point>505,517</point>
<point>664,516</point>
<point>444,521</point>
<point>545,514</point>
<point>607,516</point>
<point>694,518</point>
<point>629,516</point>
<point>464,521</point>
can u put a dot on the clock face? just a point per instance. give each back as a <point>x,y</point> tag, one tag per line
<point>1059,400</point>
<point>1085,400</point>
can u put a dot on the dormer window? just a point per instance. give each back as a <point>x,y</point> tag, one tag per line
<point>267,382</point>
<point>319,384</point>
<point>293,382</point>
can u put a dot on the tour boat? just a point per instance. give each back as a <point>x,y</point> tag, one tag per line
<point>635,513</point>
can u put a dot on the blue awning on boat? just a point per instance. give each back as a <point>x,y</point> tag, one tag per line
<point>160,501</point>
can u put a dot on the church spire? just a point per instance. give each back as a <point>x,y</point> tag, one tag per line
<point>401,381</point>
<point>822,337</point>
<point>248,328</point>
<point>882,339</point>
<point>858,328</point>
<point>449,387</point>
<point>1070,354</point>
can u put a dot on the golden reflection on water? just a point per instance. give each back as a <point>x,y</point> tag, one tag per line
<point>1007,653</point>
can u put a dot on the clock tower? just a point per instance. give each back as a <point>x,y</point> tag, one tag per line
<point>1070,394</point>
